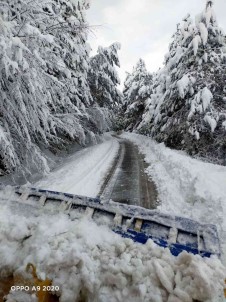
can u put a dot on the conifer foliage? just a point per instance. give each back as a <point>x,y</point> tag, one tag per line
<point>103,76</point>
<point>45,99</point>
<point>187,107</point>
<point>137,89</point>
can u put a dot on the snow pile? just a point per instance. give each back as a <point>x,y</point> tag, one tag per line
<point>90,261</point>
<point>186,187</point>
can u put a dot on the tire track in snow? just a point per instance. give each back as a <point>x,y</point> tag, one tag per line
<point>127,181</point>
<point>91,170</point>
<point>84,172</point>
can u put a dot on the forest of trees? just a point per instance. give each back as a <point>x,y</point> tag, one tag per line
<point>46,100</point>
<point>53,93</point>
<point>184,103</point>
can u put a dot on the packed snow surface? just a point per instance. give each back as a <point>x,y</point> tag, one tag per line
<point>87,259</point>
<point>83,172</point>
<point>84,258</point>
<point>186,186</point>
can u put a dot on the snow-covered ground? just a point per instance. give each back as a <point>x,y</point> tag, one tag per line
<point>83,173</point>
<point>84,258</point>
<point>186,186</point>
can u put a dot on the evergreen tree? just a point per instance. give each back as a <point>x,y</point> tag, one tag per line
<point>137,89</point>
<point>103,77</point>
<point>45,100</point>
<point>187,108</point>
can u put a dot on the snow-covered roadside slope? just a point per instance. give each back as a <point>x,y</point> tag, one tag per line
<point>83,173</point>
<point>186,186</point>
<point>84,258</point>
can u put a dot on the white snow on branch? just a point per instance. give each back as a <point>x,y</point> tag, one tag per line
<point>209,15</point>
<point>211,121</point>
<point>206,98</point>
<point>184,84</point>
<point>224,125</point>
<point>203,32</point>
<point>195,42</point>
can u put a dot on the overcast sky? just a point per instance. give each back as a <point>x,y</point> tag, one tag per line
<point>143,27</point>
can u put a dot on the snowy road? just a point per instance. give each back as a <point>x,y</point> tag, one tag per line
<point>186,187</point>
<point>114,169</point>
<point>81,254</point>
<point>129,183</point>
<point>83,173</point>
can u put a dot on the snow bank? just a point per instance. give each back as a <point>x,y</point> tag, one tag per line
<point>186,186</point>
<point>83,258</point>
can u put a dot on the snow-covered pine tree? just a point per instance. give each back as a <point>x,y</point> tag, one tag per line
<point>188,105</point>
<point>103,76</point>
<point>44,92</point>
<point>21,113</point>
<point>137,89</point>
